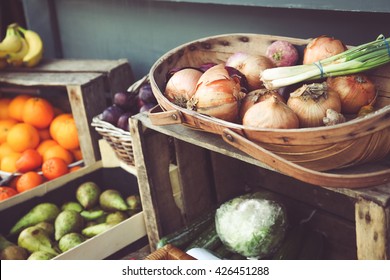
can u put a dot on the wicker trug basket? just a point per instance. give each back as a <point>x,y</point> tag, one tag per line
<point>303,153</point>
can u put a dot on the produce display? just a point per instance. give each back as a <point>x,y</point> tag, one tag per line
<point>38,142</point>
<point>250,226</point>
<point>320,86</point>
<point>49,229</point>
<point>20,47</point>
<point>126,104</point>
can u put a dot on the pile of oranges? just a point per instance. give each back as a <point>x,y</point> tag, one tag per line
<point>37,140</point>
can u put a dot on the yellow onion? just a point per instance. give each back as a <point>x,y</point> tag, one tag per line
<point>256,96</point>
<point>322,47</point>
<point>217,94</point>
<point>310,103</point>
<point>270,113</point>
<point>181,86</point>
<point>251,66</point>
<point>355,91</point>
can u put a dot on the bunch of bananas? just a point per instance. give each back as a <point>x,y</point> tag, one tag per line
<point>20,47</point>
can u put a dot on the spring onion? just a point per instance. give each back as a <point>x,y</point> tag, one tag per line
<point>353,60</point>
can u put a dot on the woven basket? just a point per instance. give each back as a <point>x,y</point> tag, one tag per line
<point>169,252</point>
<point>119,139</point>
<point>301,153</point>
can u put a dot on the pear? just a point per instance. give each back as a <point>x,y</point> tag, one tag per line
<point>35,239</point>
<point>70,240</point>
<point>11,251</point>
<point>92,214</point>
<point>41,255</point>
<point>94,230</point>
<point>134,202</point>
<point>112,200</point>
<point>87,194</point>
<point>43,212</point>
<point>67,221</point>
<point>72,205</point>
<point>116,217</point>
<point>48,227</point>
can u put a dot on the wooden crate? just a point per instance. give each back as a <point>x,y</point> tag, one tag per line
<point>83,94</point>
<point>63,189</point>
<point>355,222</point>
<point>118,74</point>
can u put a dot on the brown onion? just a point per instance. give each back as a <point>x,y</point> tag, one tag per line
<point>256,96</point>
<point>355,91</point>
<point>322,47</point>
<point>310,103</point>
<point>251,66</point>
<point>217,94</point>
<point>182,85</point>
<point>270,113</point>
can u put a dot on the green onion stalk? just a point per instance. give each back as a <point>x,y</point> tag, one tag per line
<point>354,60</point>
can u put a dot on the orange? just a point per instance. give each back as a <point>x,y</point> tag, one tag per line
<point>44,134</point>
<point>44,145</point>
<point>5,126</point>
<point>28,181</point>
<point>16,106</point>
<point>58,152</point>
<point>77,155</point>
<point>38,112</point>
<point>30,159</point>
<point>4,103</point>
<point>5,149</point>
<point>7,192</point>
<point>63,129</point>
<point>8,162</point>
<point>54,168</point>
<point>22,136</point>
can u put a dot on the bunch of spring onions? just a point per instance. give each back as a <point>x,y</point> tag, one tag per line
<point>354,60</point>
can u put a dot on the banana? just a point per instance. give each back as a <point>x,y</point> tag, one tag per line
<point>35,51</point>
<point>12,41</point>
<point>16,59</point>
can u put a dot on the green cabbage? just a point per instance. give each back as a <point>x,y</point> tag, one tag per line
<point>252,225</point>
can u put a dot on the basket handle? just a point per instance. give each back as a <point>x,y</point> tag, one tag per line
<point>159,117</point>
<point>302,173</point>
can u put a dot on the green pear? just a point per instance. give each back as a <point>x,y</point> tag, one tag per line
<point>92,214</point>
<point>112,200</point>
<point>72,205</point>
<point>41,255</point>
<point>94,230</point>
<point>43,212</point>
<point>116,217</point>
<point>48,227</point>
<point>35,239</point>
<point>67,221</point>
<point>134,202</point>
<point>70,240</point>
<point>87,194</point>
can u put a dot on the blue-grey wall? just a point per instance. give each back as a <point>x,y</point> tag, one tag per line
<point>142,31</point>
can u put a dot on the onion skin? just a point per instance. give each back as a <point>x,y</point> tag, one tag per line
<point>322,47</point>
<point>251,66</point>
<point>282,53</point>
<point>217,94</point>
<point>310,103</point>
<point>355,91</point>
<point>182,86</point>
<point>256,96</point>
<point>270,113</point>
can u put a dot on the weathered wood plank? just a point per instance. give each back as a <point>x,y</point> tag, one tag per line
<point>372,232</point>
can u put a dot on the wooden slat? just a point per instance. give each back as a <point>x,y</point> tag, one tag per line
<point>372,232</point>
